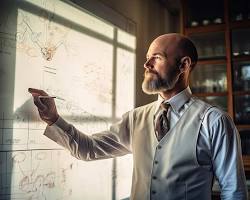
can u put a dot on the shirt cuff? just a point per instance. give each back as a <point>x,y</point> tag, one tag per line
<point>61,123</point>
<point>58,129</point>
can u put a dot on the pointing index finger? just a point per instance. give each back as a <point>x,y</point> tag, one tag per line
<point>37,92</point>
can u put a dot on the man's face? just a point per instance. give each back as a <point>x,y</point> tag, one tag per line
<point>161,69</point>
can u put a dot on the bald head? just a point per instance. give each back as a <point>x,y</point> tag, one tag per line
<point>178,45</point>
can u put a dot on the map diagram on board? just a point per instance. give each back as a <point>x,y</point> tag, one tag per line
<point>50,52</point>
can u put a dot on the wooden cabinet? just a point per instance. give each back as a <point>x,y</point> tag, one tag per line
<point>220,30</point>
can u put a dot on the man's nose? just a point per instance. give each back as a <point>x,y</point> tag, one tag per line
<point>148,64</point>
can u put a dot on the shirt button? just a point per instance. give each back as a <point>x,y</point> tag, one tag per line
<point>159,147</point>
<point>153,192</point>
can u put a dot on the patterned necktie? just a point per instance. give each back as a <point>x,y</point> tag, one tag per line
<point>162,124</point>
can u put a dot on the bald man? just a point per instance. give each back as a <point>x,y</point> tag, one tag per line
<point>179,143</point>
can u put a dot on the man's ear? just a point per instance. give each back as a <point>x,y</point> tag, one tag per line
<point>185,63</point>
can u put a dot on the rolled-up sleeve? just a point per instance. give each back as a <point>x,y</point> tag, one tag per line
<point>227,159</point>
<point>116,141</point>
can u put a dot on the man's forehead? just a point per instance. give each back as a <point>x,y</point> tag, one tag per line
<point>165,45</point>
<point>158,50</point>
<point>154,53</point>
<point>156,47</point>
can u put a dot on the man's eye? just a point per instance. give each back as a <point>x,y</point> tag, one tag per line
<point>157,57</point>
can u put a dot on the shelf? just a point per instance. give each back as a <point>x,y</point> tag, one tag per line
<point>205,29</point>
<point>212,61</point>
<point>207,94</point>
<point>246,161</point>
<point>239,24</point>
<point>241,58</point>
<point>242,127</point>
<point>241,93</point>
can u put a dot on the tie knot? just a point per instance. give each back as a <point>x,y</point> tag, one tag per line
<point>165,106</point>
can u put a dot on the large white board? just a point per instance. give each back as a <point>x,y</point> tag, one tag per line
<point>89,63</point>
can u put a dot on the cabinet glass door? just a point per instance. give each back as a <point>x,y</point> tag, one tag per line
<point>209,79</point>
<point>241,76</point>
<point>199,12</point>
<point>239,10</point>
<point>242,109</point>
<point>210,45</point>
<point>241,42</point>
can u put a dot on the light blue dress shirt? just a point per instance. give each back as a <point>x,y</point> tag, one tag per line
<point>218,145</point>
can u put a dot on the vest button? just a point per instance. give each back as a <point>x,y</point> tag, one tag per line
<point>156,162</point>
<point>154,177</point>
<point>153,192</point>
<point>159,147</point>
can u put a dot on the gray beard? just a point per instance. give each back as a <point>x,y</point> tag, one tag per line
<point>154,84</point>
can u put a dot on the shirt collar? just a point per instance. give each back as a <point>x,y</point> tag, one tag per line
<point>176,101</point>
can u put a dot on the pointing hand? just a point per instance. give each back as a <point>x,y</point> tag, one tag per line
<point>46,106</point>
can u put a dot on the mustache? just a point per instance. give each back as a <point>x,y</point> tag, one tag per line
<point>150,71</point>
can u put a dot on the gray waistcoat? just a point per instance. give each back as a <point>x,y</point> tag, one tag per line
<point>169,169</point>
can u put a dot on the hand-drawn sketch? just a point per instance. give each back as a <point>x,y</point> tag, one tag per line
<point>47,39</point>
<point>35,175</point>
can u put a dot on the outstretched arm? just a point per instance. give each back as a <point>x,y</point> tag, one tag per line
<point>107,144</point>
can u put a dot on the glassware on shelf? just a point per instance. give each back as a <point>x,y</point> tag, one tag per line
<point>241,42</point>
<point>209,79</point>
<point>239,17</point>
<point>205,22</point>
<point>236,50</point>
<point>246,52</point>
<point>210,45</point>
<point>217,20</point>
<point>200,12</point>
<point>239,10</point>
<point>241,78</point>
<point>242,109</point>
<point>194,23</point>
